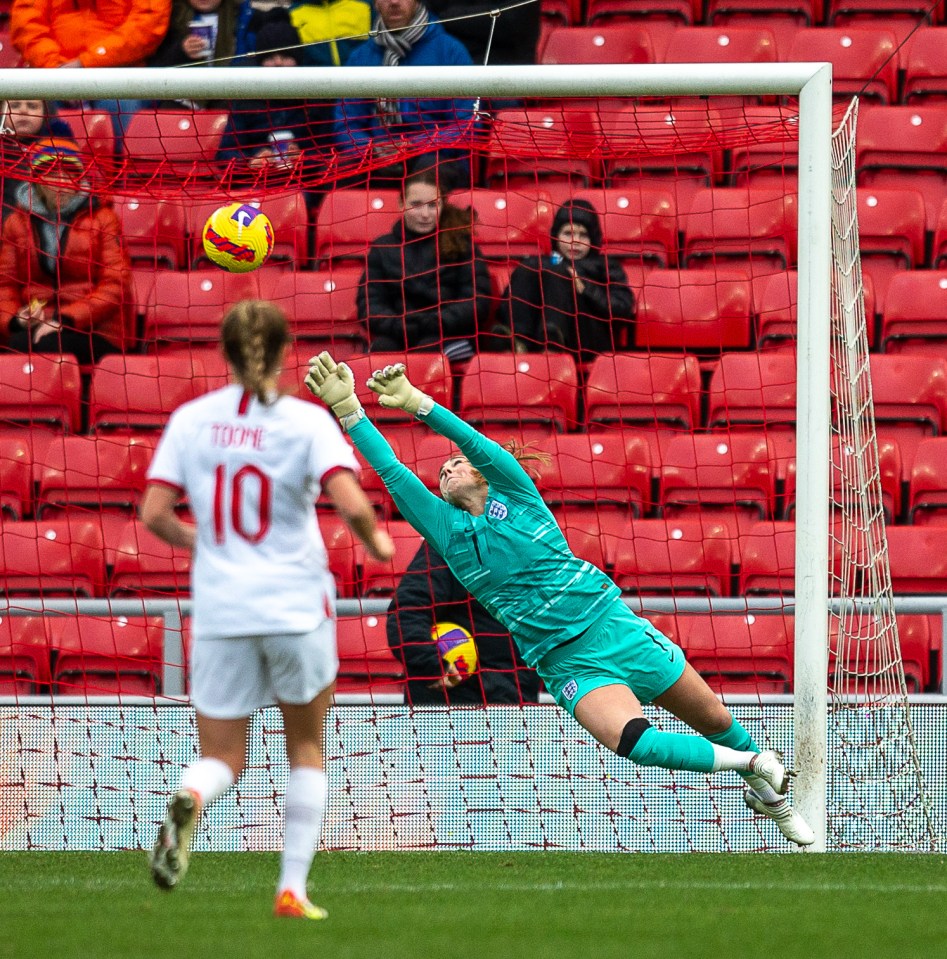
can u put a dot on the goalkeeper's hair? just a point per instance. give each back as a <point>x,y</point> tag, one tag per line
<point>253,335</point>
<point>455,224</point>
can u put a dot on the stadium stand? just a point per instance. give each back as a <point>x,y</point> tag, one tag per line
<point>24,655</point>
<point>40,390</point>
<point>366,662</point>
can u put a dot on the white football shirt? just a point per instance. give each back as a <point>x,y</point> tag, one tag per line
<point>251,474</point>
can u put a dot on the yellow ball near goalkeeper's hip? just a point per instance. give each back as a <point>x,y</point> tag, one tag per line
<point>238,238</point>
<point>456,647</point>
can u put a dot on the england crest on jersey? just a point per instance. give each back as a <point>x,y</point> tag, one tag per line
<point>570,689</point>
<point>497,510</point>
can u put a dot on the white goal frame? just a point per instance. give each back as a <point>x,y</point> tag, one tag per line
<point>811,82</point>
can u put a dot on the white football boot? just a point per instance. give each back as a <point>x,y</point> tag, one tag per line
<point>768,766</point>
<point>787,820</point>
<point>171,852</point>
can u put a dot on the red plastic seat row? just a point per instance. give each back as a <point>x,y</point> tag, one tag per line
<point>81,655</point>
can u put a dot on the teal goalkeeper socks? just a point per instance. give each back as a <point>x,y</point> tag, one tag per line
<point>736,737</point>
<point>674,751</point>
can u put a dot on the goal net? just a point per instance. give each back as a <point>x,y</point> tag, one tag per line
<point>651,357</point>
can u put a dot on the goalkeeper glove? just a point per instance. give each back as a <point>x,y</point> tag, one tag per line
<point>396,392</point>
<point>334,384</point>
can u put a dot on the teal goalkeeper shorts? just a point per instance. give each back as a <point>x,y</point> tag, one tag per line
<point>620,648</point>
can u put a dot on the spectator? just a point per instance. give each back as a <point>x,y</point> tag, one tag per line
<point>279,133</point>
<point>331,29</point>
<point>200,30</point>
<point>64,277</point>
<point>514,37</point>
<point>84,33</point>
<point>425,285</point>
<point>252,15</point>
<point>24,123</point>
<point>407,35</point>
<point>429,593</point>
<point>572,299</point>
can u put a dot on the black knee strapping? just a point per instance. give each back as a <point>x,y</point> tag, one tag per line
<point>630,735</point>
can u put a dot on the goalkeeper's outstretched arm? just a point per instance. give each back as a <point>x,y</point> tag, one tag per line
<point>333,383</point>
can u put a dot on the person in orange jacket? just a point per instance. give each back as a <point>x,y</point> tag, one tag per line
<point>65,280</point>
<point>84,33</point>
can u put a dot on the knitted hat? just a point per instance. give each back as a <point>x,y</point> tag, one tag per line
<point>277,34</point>
<point>57,155</point>
<point>583,213</point>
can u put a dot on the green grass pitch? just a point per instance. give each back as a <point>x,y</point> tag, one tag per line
<point>485,905</point>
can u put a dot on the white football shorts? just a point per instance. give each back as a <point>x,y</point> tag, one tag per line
<point>233,677</point>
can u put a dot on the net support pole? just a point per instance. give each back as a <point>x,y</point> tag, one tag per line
<point>810,714</point>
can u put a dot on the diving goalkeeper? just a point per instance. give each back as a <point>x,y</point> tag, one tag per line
<point>598,659</point>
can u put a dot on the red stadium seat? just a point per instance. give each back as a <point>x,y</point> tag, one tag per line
<point>147,566</point>
<point>939,251</point>
<point>890,469</point>
<point>679,148</point>
<point>601,43</point>
<point>680,557</point>
<point>645,389</point>
<point>864,61</point>
<point>286,212</point>
<point>94,131</point>
<point>917,557</point>
<point>770,158</point>
<point>589,532</point>
<point>340,547</point>
<point>534,388</point>
<point>154,231</point>
<point>638,225</point>
<point>52,558</point>
<point>905,147</point>
<point>16,477</point>
<point>40,390</point>
<point>380,578</point>
<point>927,497</point>
<point>139,393</point>
<point>910,399</point>
<point>854,11</point>
<point>694,310</point>
<point>915,314</point>
<point>429,372</point>
<point>768,560</point>
<point>321,308</point>
<point>743,653</point>
<point>603,11</point>
<point>366,662</point>
<point>752,390</point>
<point>97,656</point>
<point>775,13</point>
<point>542,148</point>
<point>561,11</point>
<point>190,306</point>
<point>777,314</point>
<point>596,471</point>
<point>734,227</point>
<point>100,478</point>
<point>24,655</point>
<point>925,78</point>
<point>174,141</point>
<point>891,226</point>
<point>705,473</point>
<point>728,43</point>
<point>870,658</point>
<point>508,225</point>
<point>348,221</point>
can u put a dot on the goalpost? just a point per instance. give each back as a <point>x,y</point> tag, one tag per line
<point>829,298</point>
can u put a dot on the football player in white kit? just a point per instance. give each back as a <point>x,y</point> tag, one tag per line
<point>251,464</point>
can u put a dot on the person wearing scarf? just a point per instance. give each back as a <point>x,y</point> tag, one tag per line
<point>406,34</point>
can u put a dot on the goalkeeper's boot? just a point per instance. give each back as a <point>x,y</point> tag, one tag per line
<point>768,765</point>
<point>289,906</point>
<point>787,820</point>
<point>172,847</point>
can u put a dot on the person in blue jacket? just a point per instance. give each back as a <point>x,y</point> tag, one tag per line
<point>568,619</point>
<point>370,132</point>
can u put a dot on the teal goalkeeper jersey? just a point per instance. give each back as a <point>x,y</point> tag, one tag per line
<point>514,558</point>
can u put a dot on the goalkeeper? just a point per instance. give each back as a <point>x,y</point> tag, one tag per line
<point>598,659</point>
